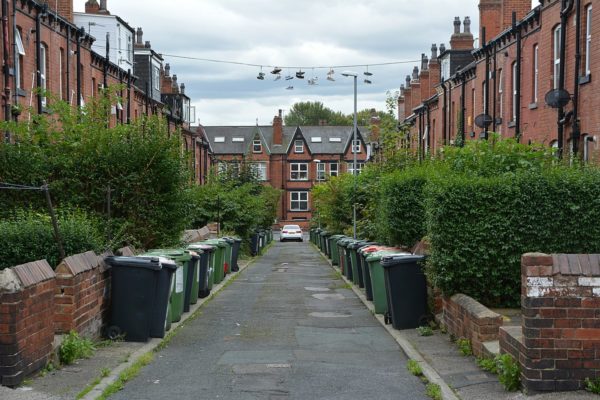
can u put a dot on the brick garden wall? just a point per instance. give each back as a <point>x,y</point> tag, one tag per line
<point>82,294</point>
<point>560,344</point>
<point>466,318</point>
<point>26,320</point>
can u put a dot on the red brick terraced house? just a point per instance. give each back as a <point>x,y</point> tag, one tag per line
<point>531,78</point>
<point>289,158</point>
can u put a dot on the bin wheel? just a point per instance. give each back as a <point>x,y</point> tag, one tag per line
<point>424,320</point>
<point>387,319</point>
<point>203,293</point>
<point>113,332</point>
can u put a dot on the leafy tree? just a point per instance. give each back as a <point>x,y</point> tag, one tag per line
<point>311,113</point>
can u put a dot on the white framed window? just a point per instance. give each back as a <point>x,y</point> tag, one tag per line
<point>514,91</point>
<point>129,47</point>
<point>298,146</point>
<point>556,55</point>
<point>320,171</point>
<point>156,77</point>
<point>536,73</point>
<point>299,201</point>
<point>260,169</point>
<point>316,139</point>
<point>237,139</point>
<point>588,39</point>
<point>60,73</point>
<point>220,139</point>
<point>359,167</point>
<point>256,146</point>
<point>19,58</point>
<point>43,71</point>
<point>221,167</point>
<point>356,146</point>
<point>235,168</point>
<point>299,171</point>
<point>334,169</point>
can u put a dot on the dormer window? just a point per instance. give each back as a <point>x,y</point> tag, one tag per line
<point>298,146</point>
<point>256,146</point>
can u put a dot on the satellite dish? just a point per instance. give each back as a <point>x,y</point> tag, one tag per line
<point>483,120</point>
<point>557,98</point>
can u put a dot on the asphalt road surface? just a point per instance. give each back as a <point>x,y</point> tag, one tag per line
<point>287,328</point>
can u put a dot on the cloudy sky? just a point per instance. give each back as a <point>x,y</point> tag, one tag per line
<point>307,34</point>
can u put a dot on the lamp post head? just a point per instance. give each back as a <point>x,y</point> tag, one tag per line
<point>349,73</point>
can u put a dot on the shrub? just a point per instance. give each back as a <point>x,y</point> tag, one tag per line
<point>509,373</point>
<point>74,347</point>
<point>29,236</point>
<point>464,346</point>
<point>434,391</point>
<point>414,368</point>
<point>480,227</point>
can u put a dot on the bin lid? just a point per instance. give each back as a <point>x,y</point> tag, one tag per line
<point>324,233</point>
<point>371,248</point>
<point>204,248</point>
<point>216,242</point>
<point>378,255</point>
<point>152,263</point>
<point>228,239</point>
<point>180,255</point>
<point>336,237</point>
<point>358,244</point>
<point>398,259</point>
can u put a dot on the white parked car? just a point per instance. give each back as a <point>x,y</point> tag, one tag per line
<point>290,232</point>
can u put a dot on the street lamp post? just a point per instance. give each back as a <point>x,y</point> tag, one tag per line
<point>354,129</point>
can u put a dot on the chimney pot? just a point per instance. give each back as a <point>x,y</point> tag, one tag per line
<point>280,113</point>
<point>434,52</point>
<point>102,4</point>
<point>415,74</point>
<point>456,25</point>
<point>467,24</point>
<point>92,7</point>
<point>139,35</point>
<point>407,81</point>
<point>167,69</point>
<point>147,45</point>
<point>424,62</point>
<point>182,88</point>
<point>442,48</point>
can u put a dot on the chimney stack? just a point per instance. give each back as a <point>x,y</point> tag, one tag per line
<point>278,129</point>
<point>64,8</point>
<point>92,7</point>
<point>496,15</point>
<point>464,40</point>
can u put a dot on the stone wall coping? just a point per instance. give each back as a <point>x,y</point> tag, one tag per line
<point>34,272</point>
<point>78,263</point>
<point>474,307</point>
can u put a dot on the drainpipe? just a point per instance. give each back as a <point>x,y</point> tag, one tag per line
<point>68,66</point>
<point>129,96</point>
<point>462,109</point>
<point>428,122</point>
<point>518,79</point>
<point>15,54</point>
<point>495,87</point>
<point>486,82</point>
<point>576,128</point>
<point>444,110</point>
<point>106,61</point>
<point>420,136</point>
<point>6,60</point>
<point>566,6</point>
<point>38,58</point>
<point>79,37</point>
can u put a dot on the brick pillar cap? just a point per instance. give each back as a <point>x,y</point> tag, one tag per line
<point>9,282</point>
<point>538,259</point>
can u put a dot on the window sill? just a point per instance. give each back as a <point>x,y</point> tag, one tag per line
<point>585,79</point>
<point>512,124</point>
<point>533,106</point>
<point>21,92</point>
<point>298,211</point>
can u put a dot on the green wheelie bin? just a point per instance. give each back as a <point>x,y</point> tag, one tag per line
<point>182,259</point>
<point>335,258</point>
<point>221,248</point>
<point>378,278</point>
<point>228,254</point>
<point>345,265</point>
<point>207,267</point>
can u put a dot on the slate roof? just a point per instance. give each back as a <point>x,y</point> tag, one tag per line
<point>265,133</point>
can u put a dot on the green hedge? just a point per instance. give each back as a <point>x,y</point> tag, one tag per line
<point>479,227</point>
<point>29,237</point>
<point>402,211</point>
